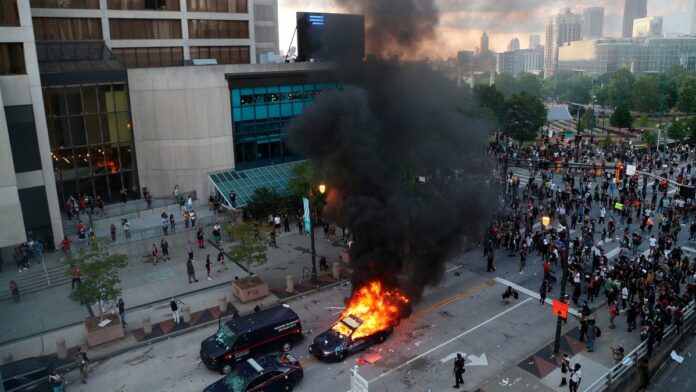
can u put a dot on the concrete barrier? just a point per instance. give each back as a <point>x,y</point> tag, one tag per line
<point>61,349</point>
<point>186,313</point>
<point>222,303</point>
<point>147,325</point>
<point>289,284</point>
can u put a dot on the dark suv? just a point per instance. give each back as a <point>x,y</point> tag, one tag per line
<point>271,373</point>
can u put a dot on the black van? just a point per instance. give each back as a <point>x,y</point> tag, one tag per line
<point>274,328</point>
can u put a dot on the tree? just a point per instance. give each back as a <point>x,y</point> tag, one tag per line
<point>643,120</point>
<point>249,246</point>
<point>578,89</point>
<point>650,138</point>
<point>265,201</point>
<point>676,130</point>
<point>691,129</point>
<point>490,98</point>
<point>303,175</point>
<point>506,84</point>
<point>621,117</point>
<point>529,83</point>
<point>621,88</point>
<point>99,273</point>
<point>646,95</point>
<point>524,116</point>
<point>588,118</point>
<point>687,95</point>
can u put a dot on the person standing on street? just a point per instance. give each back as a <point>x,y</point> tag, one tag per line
<point>122,312</point>
<point>193,218</point>
<point>200,236</point>
<point>221,262</point>
<point>543,289</point>
<point>126,227</point>
<point>575,378</point>
<point>273,239</point>
<point>565,367</point>
<point>189,249</point>
<point>175,309</point>
<point>490,255</point>
<point>190,271</point>
<point>75,273</point>
<point>164,245</point>
<point>82,362</point>
<point>172,223</point>
<point>458,370</point>
<point>155,254</point>
<point>207,266</point>
<point>112,229</point>
<point>14,290</point>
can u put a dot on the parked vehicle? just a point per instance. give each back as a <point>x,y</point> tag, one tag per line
<point>334,346</point>
<point>271,373</point>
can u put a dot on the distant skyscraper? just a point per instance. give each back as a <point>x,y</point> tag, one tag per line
<point>535,40</point>
<point>633,9</point>
<point>592,22</point>
<point>648,26</point>
<point>693,20</point>
<point>560,29</point>
<point>484,43</point>
<point>513,45</point>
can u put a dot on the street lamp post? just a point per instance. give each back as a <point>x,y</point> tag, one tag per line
<point>314,278</point>
<point>559,321</point>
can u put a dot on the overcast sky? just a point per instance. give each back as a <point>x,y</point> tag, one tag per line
<point>463,21</point>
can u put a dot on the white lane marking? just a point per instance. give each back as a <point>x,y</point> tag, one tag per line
<point>451,357</point>
<point>481,360</point>
<point>533,294</point>
<point>450,341</point>
<point>454,268</point>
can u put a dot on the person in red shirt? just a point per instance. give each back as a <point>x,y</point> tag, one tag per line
<point>65,244</point>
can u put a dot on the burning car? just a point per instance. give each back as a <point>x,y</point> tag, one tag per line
<point>369,318</point>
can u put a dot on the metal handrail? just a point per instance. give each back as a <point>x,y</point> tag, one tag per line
<point>133,206</point>
<point>155,231</point>
<point>621,368</point>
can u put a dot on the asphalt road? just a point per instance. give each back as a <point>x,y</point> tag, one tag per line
<point>678,376</point>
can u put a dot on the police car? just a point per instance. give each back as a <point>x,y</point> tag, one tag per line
<point>334,346</point>
<point>271,373</point>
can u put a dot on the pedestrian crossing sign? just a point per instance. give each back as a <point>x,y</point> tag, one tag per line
<point>560,309</point>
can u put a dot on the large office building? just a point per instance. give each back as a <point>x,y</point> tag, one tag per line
<point>522,60</point>
<point>693,18</point>
<point>648,26</point>
<point>534,41</point>
<point>560,29</point>
<point>648,55</point>
<point>514,44</point>
<point>157,33</point>
<point>592,22</point>
<point>98,96</point>
<point>633,9</point>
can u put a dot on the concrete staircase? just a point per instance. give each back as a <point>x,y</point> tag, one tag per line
<point>34,279</point>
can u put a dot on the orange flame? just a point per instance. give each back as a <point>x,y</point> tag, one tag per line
<point>378,309</point>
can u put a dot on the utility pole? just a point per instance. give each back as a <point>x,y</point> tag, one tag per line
<point>564,279</point>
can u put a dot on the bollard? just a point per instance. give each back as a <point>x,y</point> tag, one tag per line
<point>61,349</point>
<point>186,313</point>
<point>147,325</point>
<point>336,270</point>
<point>6,358</point>
<point>289,284</point>
<point>222,303</point>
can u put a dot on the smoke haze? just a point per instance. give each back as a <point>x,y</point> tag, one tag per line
<point>391,124</point>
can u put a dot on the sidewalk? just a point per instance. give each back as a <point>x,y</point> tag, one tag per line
<point>147,288</point>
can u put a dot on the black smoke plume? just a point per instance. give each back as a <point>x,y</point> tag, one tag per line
<point>372,142</point>
<point>395,26</point>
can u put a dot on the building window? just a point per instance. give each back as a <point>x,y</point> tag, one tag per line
<point>204,28</point>
<point>67,28</point>
<point>230,6</point>
<point>150,57</point>
<point>91,139</point>
<point>160,5</point>
<point>223,54</point>
<point>84,4</point>
<point>12,59</point>
<point>9,15</point>
<point>145,28</point>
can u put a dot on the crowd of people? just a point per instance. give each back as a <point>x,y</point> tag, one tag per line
<point>568,213</point>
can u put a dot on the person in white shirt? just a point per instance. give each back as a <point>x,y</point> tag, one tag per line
<point>575,378</point>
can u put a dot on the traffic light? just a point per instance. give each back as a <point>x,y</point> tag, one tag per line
<point>597,170</point>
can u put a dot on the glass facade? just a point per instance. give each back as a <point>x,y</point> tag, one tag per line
<point>205,28</point>
<point>12,59</point>
<point>233,6</point>
<point>161,5</point>
<point>145,28</point>
<point>649,55</point>
<point>67,28</point>
<point>9,15</point>
<point>91,139</point>
<point>223,54</point>
<point>84,4</point>
<point>150,57</point>
<point>259,116</point>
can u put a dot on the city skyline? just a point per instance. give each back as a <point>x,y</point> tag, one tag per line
<point>461,24</point>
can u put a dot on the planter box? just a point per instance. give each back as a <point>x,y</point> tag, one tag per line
<point>97,335</point>
<point>246,290</point>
